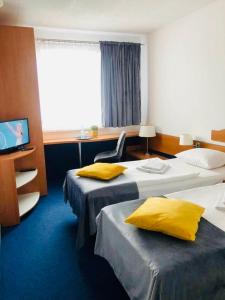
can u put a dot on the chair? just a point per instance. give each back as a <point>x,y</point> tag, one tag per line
<point>113,155</point>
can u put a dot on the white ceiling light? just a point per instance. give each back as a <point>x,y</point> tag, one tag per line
<point>1,3</point>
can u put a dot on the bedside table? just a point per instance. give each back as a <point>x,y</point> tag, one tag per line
<point>138,154</point>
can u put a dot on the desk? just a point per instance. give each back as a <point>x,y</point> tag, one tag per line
<point>68,137</point>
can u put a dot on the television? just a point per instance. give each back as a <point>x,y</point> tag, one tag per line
<point>14,135</point>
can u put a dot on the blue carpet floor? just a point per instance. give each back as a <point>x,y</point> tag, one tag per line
<point>39,259</point>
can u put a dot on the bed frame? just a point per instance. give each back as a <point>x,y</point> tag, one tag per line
<point>218,135</point>
<point>169,144</point>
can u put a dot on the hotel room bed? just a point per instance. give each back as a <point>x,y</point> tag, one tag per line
<point>153,266</point>
<point>88,196</point>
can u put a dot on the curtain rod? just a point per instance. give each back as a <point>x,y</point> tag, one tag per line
<point>72,41</point>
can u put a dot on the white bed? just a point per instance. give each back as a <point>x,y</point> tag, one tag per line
<point>187,177</point>
<point>153,266</point>
<point>207,197</point>
<point>88,196</point>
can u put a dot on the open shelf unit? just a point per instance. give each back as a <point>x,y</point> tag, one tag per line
<point>18,194</point>
<point>20,100</point>
<point>27,202</point>
<point>23,178</point>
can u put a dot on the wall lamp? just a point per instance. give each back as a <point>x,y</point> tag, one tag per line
<point>187,140</point>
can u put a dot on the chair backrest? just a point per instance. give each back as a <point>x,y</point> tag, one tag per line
<point>120,143</point>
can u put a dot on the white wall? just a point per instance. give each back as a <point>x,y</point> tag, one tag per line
<point>187,73</point>
<point>80,35</point>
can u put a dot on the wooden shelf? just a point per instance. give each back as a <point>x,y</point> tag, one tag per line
<point>16,155</point>
<point>18,193</point>
<point>27,202</point>
<point>23,178</point>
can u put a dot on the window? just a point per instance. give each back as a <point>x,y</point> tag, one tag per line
<point>69,84</point>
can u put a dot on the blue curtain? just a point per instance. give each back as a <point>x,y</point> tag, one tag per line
<point>120,84</point>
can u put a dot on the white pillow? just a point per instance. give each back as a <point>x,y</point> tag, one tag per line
<point>203,158</point>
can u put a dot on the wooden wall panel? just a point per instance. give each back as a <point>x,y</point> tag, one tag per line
<point>212,146</point>
<point>170,144</point>
<point>19,96</point>
<point>218,135</point>
<point>8,209</point>
<point>167,144</point>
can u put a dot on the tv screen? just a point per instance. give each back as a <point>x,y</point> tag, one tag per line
<point>14,134</point>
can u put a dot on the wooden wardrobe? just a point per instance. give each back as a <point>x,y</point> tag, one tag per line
<point>19,98</point>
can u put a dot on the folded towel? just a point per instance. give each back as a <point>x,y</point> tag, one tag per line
<point>165,167</point>
<point>154,171</point>
<point>154,164</point>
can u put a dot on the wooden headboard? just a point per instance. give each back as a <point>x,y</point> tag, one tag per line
<point>170,144</point>
<point>218,135</point>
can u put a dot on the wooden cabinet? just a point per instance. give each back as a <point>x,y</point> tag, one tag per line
<point>19,98</point>
<point>14,203</point>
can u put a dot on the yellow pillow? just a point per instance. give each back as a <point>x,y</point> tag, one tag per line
<point>103,171</point>
<point>173,217</point>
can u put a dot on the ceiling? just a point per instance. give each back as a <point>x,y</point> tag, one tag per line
<point>102,15</point>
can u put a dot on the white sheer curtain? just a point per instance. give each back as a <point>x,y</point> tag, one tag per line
<point>69,84</point>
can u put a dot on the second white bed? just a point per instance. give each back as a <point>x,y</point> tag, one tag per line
<point>178,177</point>
<point>153,266</point>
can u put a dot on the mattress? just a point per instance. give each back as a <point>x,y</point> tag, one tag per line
<point>153,266</point>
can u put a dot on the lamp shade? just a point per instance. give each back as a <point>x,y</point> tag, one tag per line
<point>186,139</point>
<point>147,131</point>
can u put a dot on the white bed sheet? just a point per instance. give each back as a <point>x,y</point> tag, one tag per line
<point>156,187</point>
<point>208,198</point>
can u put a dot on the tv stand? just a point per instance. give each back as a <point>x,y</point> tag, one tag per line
<point>20,148</point>
<point>26,148</point>
<point>14,201</point>
<point>16,149</point>
<point>18,99</point>
<point>8,151</point>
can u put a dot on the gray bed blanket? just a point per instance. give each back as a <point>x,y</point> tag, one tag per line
<point>153,266</point>
<point>88,196</point>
